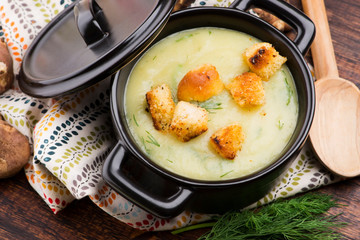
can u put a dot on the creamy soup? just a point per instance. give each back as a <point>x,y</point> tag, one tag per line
<point>267,129</point>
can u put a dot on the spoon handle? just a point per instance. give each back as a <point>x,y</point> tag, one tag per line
<point>322,49</point>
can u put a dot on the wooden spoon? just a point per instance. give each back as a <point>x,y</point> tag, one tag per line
<point>335,133</point>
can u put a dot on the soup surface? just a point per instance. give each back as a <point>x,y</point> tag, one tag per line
<point>267,128</point>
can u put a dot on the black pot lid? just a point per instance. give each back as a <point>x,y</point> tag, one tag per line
<point>88,42</point>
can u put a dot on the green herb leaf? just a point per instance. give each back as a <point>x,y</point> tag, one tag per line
<point>302,217</point>
<point>226,174</point>
<point>143,142</point>
<point>152,140</point>
<point>184,37</point>
<point>298,218</point>
<point>289,90</point>
<point>280,124</point>
<point>209,106</point>
<point>135,120</point>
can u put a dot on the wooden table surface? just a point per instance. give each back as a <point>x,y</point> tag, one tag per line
<point>24,215</point>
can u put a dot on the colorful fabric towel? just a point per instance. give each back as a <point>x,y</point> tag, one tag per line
<point>72,136</point>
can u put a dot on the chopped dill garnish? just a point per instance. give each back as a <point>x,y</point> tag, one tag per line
<point>135,120</point>
<point>289,90</point>
<point>210,32</point>
<point>169,160</point>
<point>280,124</point>
<point>178,68</point>
<point>143,142</point>
<point>226,174</point>
<point>184,37</point>
<point>303,217</point>
<point>152,140</point>
<point>209,106</point>
<point>154,57</point>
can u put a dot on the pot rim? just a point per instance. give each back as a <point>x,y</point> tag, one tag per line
<point>299,141</point>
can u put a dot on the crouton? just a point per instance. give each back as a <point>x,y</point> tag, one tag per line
<point>200,84</point>
<point>189,121</point>
<point>247,90</point>
<point>161,107</point>
<point>227,141</point>
<point>263,59</point>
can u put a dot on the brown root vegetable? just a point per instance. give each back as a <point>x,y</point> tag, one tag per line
<point>6,67</point>
<point>14,150</point>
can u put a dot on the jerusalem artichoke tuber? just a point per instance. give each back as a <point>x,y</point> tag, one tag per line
<point>6,67</point>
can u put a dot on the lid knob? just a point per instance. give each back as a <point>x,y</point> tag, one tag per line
<point>89,41</point>
<point>90,21</point>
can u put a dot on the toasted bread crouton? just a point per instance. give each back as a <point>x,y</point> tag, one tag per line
<point>227,141</point>
<point>263,59</point>
<point>189,121</point>
<point>161,106</point>
<point>247,90</point>
<point>200,84</point>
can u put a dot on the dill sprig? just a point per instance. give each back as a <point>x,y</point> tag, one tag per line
<point>136,123</point>
<point>226,173</point>
<point>209,106</point>
<point>143,142</point>
<point>303,217</point>
<point>184,37</point>
<point>289,90</point>
<point>152,140</point>
<point>280,124</point>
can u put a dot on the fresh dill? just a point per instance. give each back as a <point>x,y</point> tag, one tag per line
<point>289,90</point>
<point>303,217</point>
<point>280,124</point>
<point>226,173</point>
<point>154,57</point>
<point>143,142</point>
<point>184,37</point>
<point>210,106</point>
<point>136,123</point>
<point>152,140</point>
<point>169,160</point>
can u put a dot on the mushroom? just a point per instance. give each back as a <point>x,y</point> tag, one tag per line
<point>14,150</point>
<point>6,67</point>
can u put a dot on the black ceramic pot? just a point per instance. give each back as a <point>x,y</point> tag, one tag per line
<point>130,172</point>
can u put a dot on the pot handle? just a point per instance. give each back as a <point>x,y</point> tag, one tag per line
<point>143,194</point>
<point>304,27</point>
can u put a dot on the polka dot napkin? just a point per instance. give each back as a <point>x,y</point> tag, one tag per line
<point>72,136</point>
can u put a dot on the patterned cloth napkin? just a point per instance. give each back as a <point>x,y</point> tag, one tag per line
<point>72,136</point>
